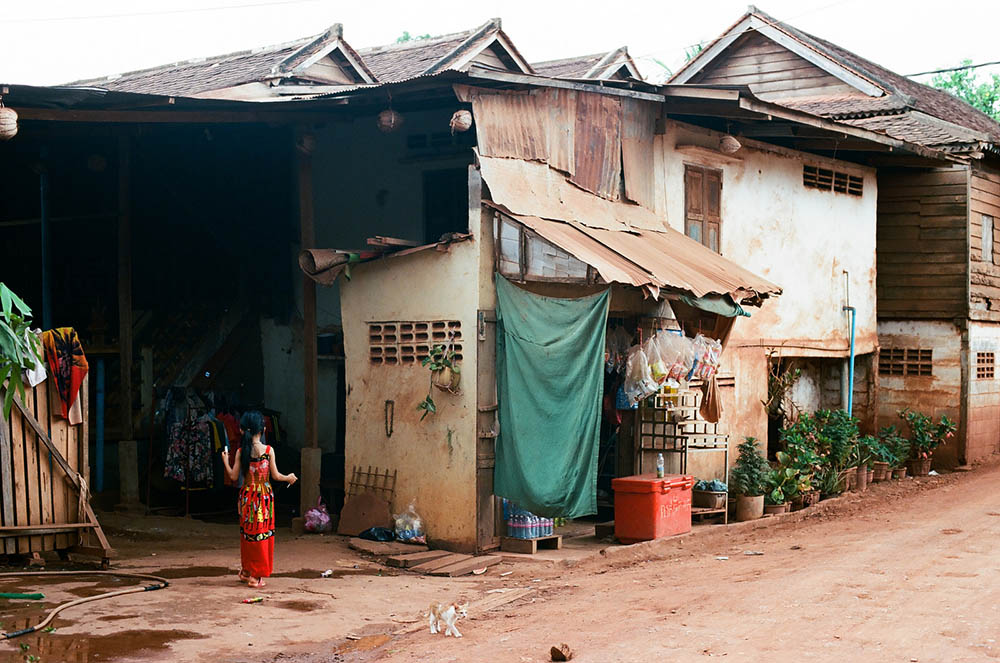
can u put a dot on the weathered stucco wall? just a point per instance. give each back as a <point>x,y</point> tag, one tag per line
<point>934,395</point>
<point>799,238</point>
<point>435,458</point>
<point>983,426</point>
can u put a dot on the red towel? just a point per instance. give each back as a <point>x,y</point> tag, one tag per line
<point>67,364</point>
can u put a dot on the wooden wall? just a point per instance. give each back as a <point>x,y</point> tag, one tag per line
<point>921,244</point>
<point>984,289</point>
<point>771,71</point>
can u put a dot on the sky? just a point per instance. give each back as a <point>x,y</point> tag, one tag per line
<point>47,42</point>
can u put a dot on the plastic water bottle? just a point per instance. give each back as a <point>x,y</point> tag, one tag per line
<point>659,466</point>
<point>532,526</point>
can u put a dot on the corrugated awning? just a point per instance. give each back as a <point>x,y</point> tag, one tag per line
<point>324,265</point>
<point>664,260</point>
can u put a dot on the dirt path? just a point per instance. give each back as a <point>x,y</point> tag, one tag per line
<point>904,572</point>
<point>907,574</point>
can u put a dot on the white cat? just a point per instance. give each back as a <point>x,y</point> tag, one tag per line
<point>443,617</point>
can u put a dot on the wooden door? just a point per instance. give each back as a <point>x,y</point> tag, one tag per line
<point>488,513</point>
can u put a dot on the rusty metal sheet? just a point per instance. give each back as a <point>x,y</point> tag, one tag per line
<point>324,265</point>
<point>598,144</point>
<point>534,189</point>
<point>681,262</point>
<point>638,127</point>
<point>562,129</point>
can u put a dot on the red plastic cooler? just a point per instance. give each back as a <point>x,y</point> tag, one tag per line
<point>648,508</point>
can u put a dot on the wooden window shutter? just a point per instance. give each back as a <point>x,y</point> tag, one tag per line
<point>703,206</point>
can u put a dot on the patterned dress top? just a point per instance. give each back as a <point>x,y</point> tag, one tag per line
<point>256,510</point>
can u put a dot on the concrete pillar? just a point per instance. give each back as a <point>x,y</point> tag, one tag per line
<point>309,479</point>
<point>128,474</point>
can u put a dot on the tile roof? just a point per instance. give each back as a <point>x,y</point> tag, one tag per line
<point>398,62</point>
<point>917,127</point>
<point>196,76</point>
<point>567,67</point>
<point>921,97</point>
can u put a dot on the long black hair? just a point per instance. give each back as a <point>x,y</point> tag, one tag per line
<point>251,423</point>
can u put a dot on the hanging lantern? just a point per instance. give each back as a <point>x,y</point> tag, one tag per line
<point>460,121</point>
<point>8,122</point>
<point>729,145</point>
<point>389,121</point>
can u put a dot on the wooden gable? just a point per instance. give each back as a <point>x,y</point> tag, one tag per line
<point>770,70</point>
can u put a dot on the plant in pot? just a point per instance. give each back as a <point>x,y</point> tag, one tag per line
<point>897,450</point>
<point>860,457</point>
<point>926,436</point>
<point>445,375</point>
<point>747,480</point>
<point>804,464</point>
<point>778,485</point>
<point>830,482</point>
<point>882,459</point>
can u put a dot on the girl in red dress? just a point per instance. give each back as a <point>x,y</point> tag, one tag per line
<point>255,462</point>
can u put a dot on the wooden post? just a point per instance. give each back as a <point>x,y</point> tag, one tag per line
<point>311,453</point>
<point>128,464</point>
<point>125,282</point>
<point>6,483</point>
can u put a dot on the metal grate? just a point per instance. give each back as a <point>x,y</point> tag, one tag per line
<point>906,361</point>
<point>826,179</point>
<point>985,365</point>
<point>411,342</point>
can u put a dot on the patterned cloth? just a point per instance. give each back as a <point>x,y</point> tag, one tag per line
<point>190,449</point>
<point>68,364</point>
<point>256,509</point>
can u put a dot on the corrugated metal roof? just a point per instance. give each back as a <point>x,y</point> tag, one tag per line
<point>651,260</point>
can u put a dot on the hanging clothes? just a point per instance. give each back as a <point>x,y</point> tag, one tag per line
<point>69,368</point>
<point>232,427</point>
<point>256,510</point>
<point>36,374</point>
<point>550,359</point>
<point>189,454</point>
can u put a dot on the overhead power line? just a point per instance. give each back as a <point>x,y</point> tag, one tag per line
<point>163,12</point>
<point>962,68</point>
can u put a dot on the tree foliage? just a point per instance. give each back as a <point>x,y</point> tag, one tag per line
<point>969,87</point>
<point>406,36</point>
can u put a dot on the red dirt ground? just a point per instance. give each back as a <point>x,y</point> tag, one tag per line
<point>904,572</point>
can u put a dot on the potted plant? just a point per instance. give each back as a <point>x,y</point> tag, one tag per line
<point>778,486</point>
<point>747,481</point>
<point>445,375</point>
<point>926,436</point>
<point>897,450</point>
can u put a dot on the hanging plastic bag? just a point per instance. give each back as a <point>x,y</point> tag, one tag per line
<point>708,352</point>
<point>639,381</point>
<point>657,368</point>
<point>682,351</point>
<point>409,526</point>
<point>317,519</point>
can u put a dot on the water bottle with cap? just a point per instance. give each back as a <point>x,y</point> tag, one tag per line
<point>659,466</point>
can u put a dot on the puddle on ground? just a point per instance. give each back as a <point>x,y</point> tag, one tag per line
<point>367,643</point>
<point>50,647</point>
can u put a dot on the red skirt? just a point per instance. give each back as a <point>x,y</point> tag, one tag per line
<point>257,557</point>
<point>257,528</point>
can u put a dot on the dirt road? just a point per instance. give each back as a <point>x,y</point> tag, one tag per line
<point>904,572</point>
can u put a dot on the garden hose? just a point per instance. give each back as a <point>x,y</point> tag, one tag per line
<point>161,583</point>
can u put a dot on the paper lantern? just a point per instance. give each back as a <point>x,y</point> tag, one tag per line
<point>461,121</point>
<point>389,121</point>
<point>8,123</point>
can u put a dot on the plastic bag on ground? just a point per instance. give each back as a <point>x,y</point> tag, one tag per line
<point>639,381</point>
<point>409,526</point>
<point>317,519</point>
<point>377,534</point>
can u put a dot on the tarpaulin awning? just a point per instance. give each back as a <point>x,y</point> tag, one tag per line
<point>652,260</point>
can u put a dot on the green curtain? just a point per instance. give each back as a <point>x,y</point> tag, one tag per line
<point>550,372</point>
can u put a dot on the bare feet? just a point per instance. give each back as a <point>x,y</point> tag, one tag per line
<point>244,576</point>
<point>256,583</point>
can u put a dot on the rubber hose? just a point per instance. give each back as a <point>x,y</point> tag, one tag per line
<point>161,584</point>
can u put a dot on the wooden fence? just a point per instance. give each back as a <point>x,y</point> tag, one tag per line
<point>44,472</point>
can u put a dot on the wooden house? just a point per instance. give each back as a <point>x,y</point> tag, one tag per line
<point>937,275</point>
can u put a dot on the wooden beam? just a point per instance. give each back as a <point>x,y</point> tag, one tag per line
<point>22,530</point>
<point>175,116</point>
<point>6,482</point>
<point>303,149</point>
<point>541,81</point>
<point>125,281</point>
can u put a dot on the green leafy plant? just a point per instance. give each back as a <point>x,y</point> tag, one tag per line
<point>749,475</point>
<point>965,84</point>
<point>896,448</point>
<point>19,348</point>
<point>440,360</point>
<point>925,435</point>
<point>779,485</point>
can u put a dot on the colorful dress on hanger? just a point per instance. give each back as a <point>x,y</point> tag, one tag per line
<point>256,508</point>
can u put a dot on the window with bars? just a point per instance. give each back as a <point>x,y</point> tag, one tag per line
<point>985,365</point>
<point>825,179</point>
<point>397,342</point>
<point>905,361</point>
